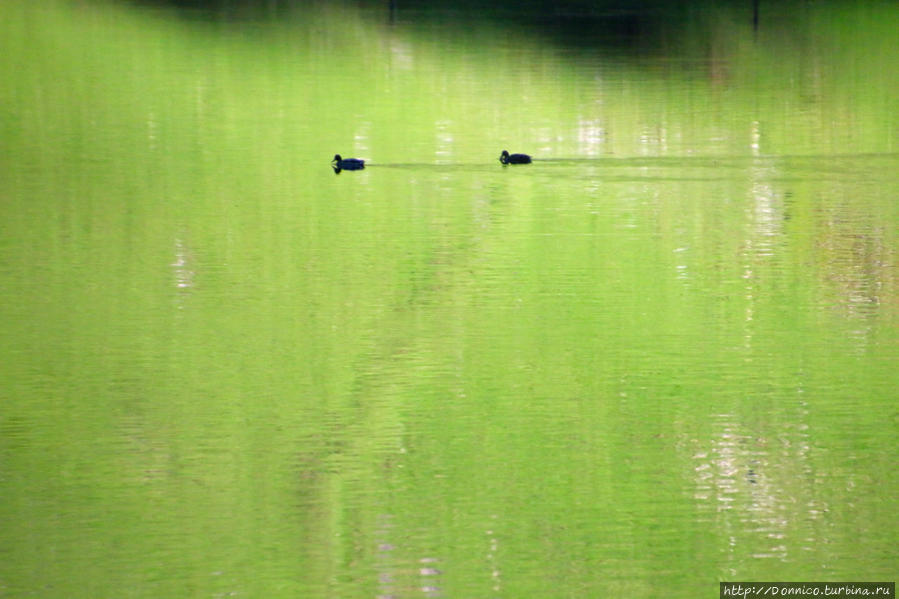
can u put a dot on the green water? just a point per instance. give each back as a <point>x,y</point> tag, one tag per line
<point>662,355</point>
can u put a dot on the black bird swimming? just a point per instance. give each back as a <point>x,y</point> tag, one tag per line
<point>507,158</point>
<point>347,164</point>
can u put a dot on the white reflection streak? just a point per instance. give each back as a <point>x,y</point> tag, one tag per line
<point>733,479</point>
<point>683,271</point>
<point>590,137</point>
<point>184,273</point>
<point>383,564</point>
<point>766,216</point>
<point>445,139</point>
<point>401,55</point>
<point>765,224</point>
<point>755,138</point>
<point>391,575</point>
<point>360,138</point>
<point>654,141</point>
<point>429,586</point>
<point>491,561</point>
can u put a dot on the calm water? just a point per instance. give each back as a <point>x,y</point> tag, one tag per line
<point>661,356</point>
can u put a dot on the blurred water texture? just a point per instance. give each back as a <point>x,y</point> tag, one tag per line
<point>662,355</point>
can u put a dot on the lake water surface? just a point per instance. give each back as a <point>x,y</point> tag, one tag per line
<point>661,356</point>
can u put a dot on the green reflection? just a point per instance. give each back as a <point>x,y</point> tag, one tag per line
<point>659,357</point>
